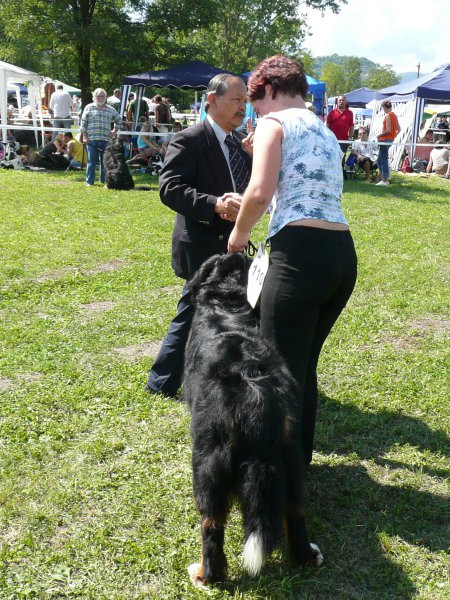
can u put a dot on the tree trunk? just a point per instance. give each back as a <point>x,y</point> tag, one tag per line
<point>84,73</point>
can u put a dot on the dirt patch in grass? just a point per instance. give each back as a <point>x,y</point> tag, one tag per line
<point>432,325</point>
<point>111,265</point>
<point>140,351</point>
<point>169,289</point>
<point>94,307</point>
<point>417,331</point>
<point>30,377</point>
<point>5,383</point>
<point>55,275</point>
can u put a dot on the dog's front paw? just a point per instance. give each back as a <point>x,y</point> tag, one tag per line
<point>318,556</point>
<point>196,576</point>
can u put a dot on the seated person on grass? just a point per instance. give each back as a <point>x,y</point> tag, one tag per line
<point>439,160</point>
<point>51,156</point>
<point>149,145</point>
<point>364,152</point>
<point>423,152</point>
<point>76,151</point>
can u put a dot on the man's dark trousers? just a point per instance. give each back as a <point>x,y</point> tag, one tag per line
<point>167,370</point>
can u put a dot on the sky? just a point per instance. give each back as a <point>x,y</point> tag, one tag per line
<point>389,32</point>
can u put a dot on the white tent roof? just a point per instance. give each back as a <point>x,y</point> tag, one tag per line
<point>18,74</point>
<point>12,74</point>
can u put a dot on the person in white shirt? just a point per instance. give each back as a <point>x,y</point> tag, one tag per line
<point>439,160</point>
<point>114,100</point>
<point>365,152</point>
<point>60,109</point>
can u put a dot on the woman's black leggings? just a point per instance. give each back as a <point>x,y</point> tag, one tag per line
<point>311,276</point>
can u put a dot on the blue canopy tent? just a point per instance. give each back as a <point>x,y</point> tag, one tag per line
<point>194,75</point>
<point>358,98</point>
<point>433,87</point>
<point>318,90</point>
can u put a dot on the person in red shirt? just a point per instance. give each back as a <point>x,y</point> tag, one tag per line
<point>340,121</point>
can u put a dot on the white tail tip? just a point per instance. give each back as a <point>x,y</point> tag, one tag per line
<point>254,555</point>
<point>319,555</point>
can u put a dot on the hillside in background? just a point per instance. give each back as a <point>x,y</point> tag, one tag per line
<point>319,61</point>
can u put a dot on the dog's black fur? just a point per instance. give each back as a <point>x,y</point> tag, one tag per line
<point>245,431</point>
<point>117,175</point>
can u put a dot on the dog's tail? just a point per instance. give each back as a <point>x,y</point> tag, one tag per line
<point>262,495</point>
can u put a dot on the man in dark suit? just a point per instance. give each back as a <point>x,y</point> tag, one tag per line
<point>200,183</point>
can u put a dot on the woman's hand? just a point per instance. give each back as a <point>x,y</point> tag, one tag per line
<point>247,142</point>
<point>238,240</point>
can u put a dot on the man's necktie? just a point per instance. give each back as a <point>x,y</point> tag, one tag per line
<point>239,169</point>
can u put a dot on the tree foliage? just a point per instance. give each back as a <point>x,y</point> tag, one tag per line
<point>381,76</point>
<point>334,77</point>
<point>73,38</point>
<point>97,42</point>
<point>342,78</point>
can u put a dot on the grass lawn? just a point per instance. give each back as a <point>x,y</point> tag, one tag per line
<point>95,478</point>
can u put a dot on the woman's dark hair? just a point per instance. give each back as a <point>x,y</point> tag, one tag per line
<point>386,103</point>
<point>285,75</point>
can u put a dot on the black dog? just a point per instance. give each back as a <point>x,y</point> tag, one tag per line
<point>245,426</point>
<point>117,175</point>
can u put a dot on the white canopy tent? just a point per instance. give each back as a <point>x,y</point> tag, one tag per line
<point>408,101</point>
<point>12,74</point>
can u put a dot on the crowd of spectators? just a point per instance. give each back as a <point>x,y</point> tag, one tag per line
<point>155,118</point>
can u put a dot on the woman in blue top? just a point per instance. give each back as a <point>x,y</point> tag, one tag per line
<point>297,174</point>
<point>148,145</point>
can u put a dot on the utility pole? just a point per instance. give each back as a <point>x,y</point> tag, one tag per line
<point>418,70</point>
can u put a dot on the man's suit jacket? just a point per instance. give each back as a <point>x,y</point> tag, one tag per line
<point>194,175</point>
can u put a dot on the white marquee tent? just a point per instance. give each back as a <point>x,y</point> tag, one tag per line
<point>12,74</point>
<point>408,100</point>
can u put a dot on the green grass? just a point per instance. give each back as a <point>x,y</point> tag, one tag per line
<point>95,479</point>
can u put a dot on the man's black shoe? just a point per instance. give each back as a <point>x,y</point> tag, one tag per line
<point>150,390</point>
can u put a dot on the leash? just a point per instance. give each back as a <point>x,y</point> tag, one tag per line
<point>252,250</point>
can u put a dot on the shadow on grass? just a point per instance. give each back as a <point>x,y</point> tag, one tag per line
<point>370,435</point>
<point>360,523</point>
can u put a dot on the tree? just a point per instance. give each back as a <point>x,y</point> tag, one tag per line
<point>334,76</point>
<point>307,60</point>
<point>352,72</point>
<point>234,34</point>
<point>69,35</point>
<point>81,41</point>
<point>380,77</point>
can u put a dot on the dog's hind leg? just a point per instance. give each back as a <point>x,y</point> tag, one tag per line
<point>262,493</point>
<point>212,496</point>
<point>214,563</point>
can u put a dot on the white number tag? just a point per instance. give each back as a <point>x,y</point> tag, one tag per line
<point>256,275</point>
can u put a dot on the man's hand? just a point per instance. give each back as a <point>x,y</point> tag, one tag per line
<point>228,205</point>
<point>247,142</point>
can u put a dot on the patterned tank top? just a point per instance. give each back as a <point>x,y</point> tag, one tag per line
<point>310,181</point>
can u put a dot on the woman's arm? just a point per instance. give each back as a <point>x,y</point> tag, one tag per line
<point>263,181</point>
<point>387,124</point>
